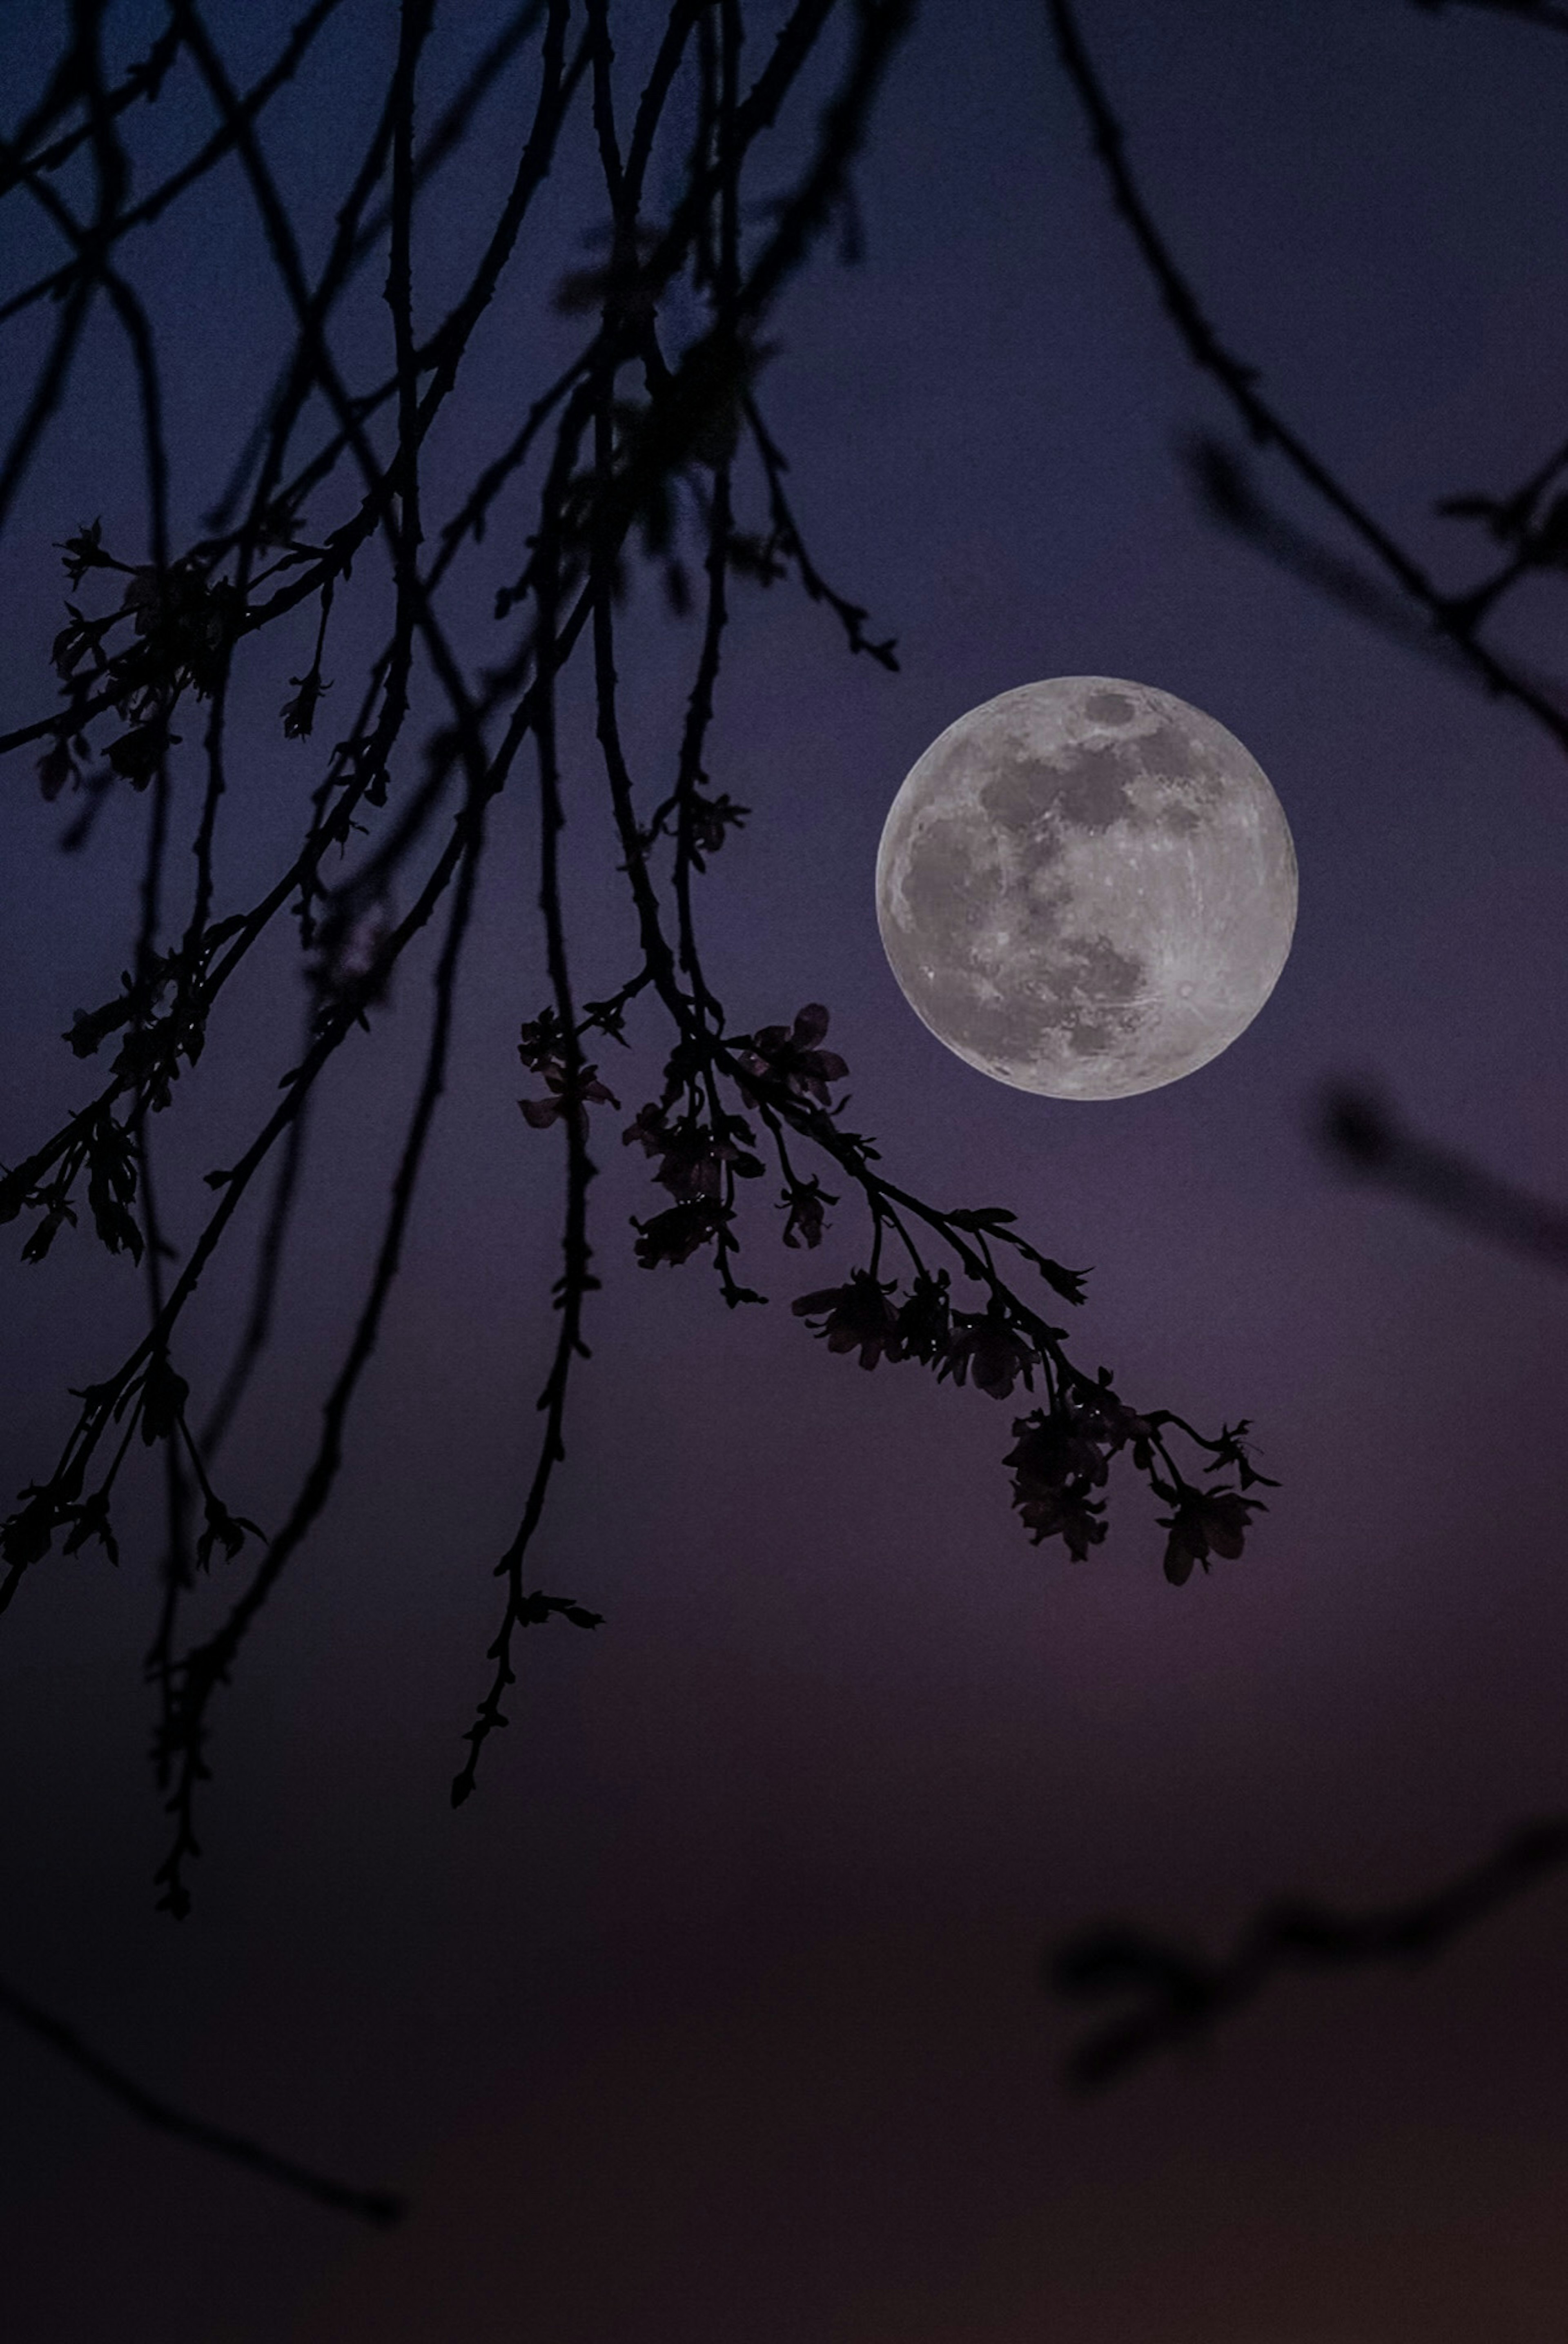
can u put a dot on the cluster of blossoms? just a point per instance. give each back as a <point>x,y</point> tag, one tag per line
<point>791,1057</point>
<point>698,1149</point>
<point>1062,1458</point>
<point>694,1155</point>
<point>861,1316</point>
<point>181,621</point>
<point>1062,1452</point>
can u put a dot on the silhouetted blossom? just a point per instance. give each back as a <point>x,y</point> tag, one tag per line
<point>1230,1454</point>
<point>674,1235</point>
<point>177,606</point>
<point>1060,1457</point>
<point>569,1095</point>
<point>136,755</point>
<point>609,1017</point>
<point>541,1046</point>
<point>806,1201</point>
<point>541,1042</point>
<point>857,1317</point>
<point>223,1530</point>
<point>92,1521</point>
<point>537,1609</point>
<point>647,1129</point>
<point>709,822</point>
<point>1071,1515</point>
<point>683,1068</point>
<point>692,1159</point>
<point>989,1348</point>
<point>790,1053</point>
<point>1205,1522</point>
<point>996,1221</point>
<point>26,1536</point>
<point>1100,1413</point>
<point>78,641</point>
<point>164,1396</point>
<point>59,1213</point>
<point>90,1028</point>
<point>112,1185</point>
<point>85,551</point>
<point>1059,1446</point>
<point>925,1318</point>
<point>299,713</point>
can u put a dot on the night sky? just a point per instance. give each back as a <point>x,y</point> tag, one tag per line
<point>714,2015</point>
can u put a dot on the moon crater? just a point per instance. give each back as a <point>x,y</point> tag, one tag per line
<point>1087,888</point>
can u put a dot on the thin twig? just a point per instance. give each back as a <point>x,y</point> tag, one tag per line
<point>1184,1996</point>
<point>380,2206</point>
<point>1449,614</point>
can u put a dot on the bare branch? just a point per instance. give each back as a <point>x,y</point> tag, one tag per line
<point>1183,1996</point>
<point>379,2205</point>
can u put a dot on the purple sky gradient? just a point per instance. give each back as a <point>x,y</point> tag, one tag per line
<point>713,2016</point>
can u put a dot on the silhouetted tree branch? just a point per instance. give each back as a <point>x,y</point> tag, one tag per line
<point>1364,1135</point>
<point>1182,1995</point>
<point>372,2205</point>
<point>1228,492</point>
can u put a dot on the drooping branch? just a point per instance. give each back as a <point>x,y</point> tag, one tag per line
<point>653,451</point>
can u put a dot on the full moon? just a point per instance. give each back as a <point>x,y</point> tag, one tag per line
<point>1087,888</point>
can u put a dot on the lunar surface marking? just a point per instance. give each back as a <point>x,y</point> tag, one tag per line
<point>1087,888</point>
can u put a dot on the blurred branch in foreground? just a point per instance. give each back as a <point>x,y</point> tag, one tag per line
<point>1529,11</point>
<point>1524,535</point>
<point>1228,492</point>
<point>1183,1996</point>
<point>372,2205</point>
<point>1364,1135</point>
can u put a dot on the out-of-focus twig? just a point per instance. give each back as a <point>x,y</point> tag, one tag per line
<point>1363,1133</point>
<point>371,2205</point>
<point>1456,617</point>
<point>1228,492</point>
<point>1182,1995</point>
<point>1528,12</point>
